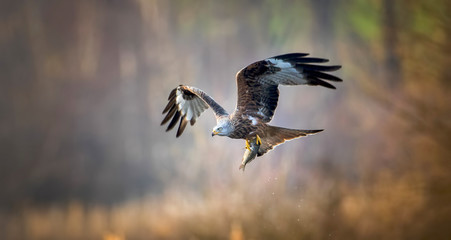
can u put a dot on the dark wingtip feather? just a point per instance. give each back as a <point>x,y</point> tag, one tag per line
<point>336,67</point>
<point>174,121</point>
<point>182,126</point>
<point>311,67</point>
<point>169,106</point>
<point>310,60</point>
<point>172,94</point>
<point>290,56</point>
<point>170,114</point>
<point>324,76</point>
<point>315,81</point>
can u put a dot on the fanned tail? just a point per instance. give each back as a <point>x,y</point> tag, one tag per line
<point>277,135</point>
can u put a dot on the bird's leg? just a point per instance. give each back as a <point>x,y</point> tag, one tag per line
<point>259,140</point>
<point>248,146</point>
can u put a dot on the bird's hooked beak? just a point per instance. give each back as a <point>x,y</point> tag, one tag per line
<point>214,133</point>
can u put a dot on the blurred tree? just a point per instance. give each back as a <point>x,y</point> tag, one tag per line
<point>391,30</point>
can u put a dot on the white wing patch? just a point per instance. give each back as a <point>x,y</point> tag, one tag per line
<point>185,105</point>
<point>260,112</point>
<point>190,108</point>
<point>254,120</point>
<point>288,74</point>
<point>280,63</point>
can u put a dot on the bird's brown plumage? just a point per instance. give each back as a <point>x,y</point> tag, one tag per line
<point>258,96</point>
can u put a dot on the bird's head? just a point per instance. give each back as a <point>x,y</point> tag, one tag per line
<point>223,127</point>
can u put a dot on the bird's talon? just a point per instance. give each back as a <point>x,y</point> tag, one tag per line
<point>248,147</point>
<point>259,141</point>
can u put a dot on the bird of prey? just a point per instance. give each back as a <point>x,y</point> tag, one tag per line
<point>258,95</point>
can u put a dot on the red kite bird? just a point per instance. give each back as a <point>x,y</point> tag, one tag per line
<point>258,94</point>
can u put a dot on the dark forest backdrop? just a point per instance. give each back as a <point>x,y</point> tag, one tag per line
<point>83,84</point>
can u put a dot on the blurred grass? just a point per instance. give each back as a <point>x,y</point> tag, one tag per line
<point>385,210</point>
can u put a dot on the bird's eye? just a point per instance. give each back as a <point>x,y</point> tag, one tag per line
<point>219,129</point>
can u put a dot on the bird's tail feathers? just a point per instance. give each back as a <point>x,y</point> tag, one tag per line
<point>278,135</point>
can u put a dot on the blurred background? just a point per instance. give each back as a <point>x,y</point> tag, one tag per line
<point>83,155</point>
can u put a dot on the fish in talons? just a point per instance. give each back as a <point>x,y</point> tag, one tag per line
<point>252,147</point>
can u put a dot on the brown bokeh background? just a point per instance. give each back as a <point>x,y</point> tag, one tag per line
<point>83,156</point>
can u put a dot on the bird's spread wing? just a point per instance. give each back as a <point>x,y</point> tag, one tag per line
<point>258,83</point>
<point>187,104</point>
